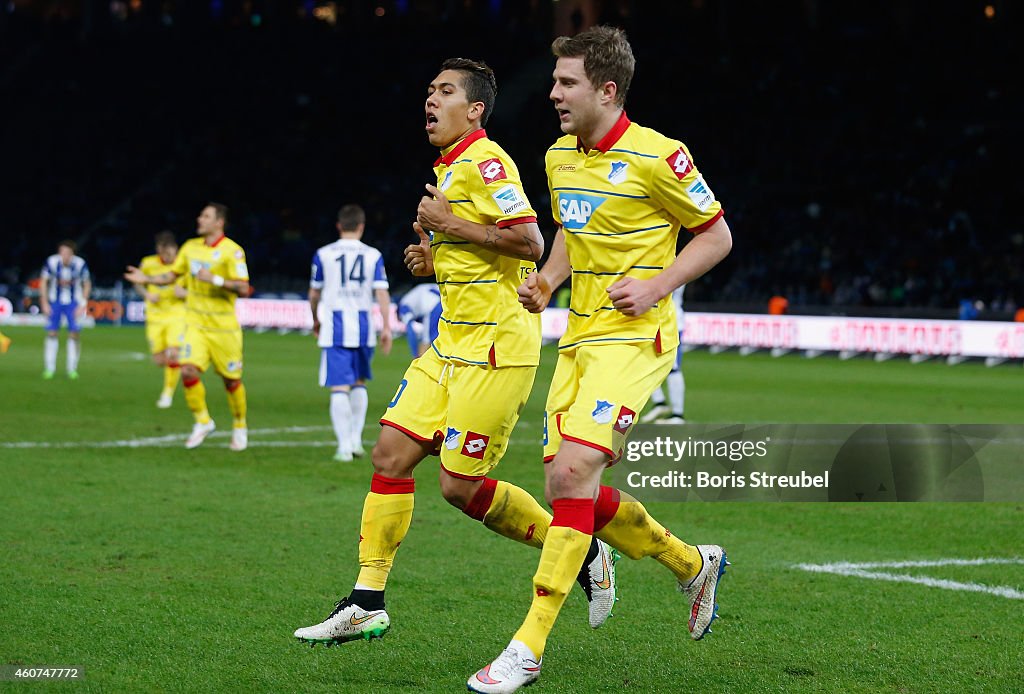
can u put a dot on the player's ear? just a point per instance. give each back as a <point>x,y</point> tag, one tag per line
<point>609,91</point>
<point>476,110</point>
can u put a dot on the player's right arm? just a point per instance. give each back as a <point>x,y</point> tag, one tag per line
<point>137,276</point>
<point>314,305</point>
<point>535,291</point>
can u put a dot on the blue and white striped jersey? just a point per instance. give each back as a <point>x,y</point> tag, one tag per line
<point>347,272</point>
<point>63,283</point>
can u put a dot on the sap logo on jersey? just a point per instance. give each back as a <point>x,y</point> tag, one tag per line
<point>576,209</point>
<point>451,438</point>
<point>509,199</point>
<point>602,413</point>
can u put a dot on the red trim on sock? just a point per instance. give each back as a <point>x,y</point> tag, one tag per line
<point>605,507</point>
<point>233,386</point>
<point>573,513</point>
<point>189,382</point>
<point>379,484</point>
<point>480,504</point>
<point>173,365</point>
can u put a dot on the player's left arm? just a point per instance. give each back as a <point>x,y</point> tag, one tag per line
<point>677,184</point>
<point>384,302</point>
<point>235,278</point>
<point>633,296</point>
<point>522,241</point>
<point>86,292</point>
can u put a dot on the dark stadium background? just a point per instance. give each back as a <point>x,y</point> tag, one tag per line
<point>867,153</point>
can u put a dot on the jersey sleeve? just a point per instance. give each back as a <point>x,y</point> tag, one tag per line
<point>498,194</point>
<point>85,275</point>
<point>316,272</point>
<point>180,266</point>
<point>380,277</point>
<point>237,269</point>
<point>681,189</point>
<point>45,274</point>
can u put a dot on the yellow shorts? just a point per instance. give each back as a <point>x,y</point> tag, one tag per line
<point>467,411</point>
<point>201,347</point>
<point>597,394</point>
<point>164,334</point>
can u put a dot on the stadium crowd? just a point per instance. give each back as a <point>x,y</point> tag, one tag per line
<point>865,151</point>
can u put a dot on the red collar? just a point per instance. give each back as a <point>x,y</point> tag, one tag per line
<point>219,239</point>
<point>461,147</point>
<point>612,136</point>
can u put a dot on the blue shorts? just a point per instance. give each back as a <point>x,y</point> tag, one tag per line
<point>343,366</point>
<point>68,312</point>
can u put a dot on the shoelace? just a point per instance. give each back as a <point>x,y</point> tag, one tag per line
<point>339,606</point>
<point>506,665</point>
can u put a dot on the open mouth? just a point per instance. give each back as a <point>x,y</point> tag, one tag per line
<point>431,121</point>
<point>562,113</point>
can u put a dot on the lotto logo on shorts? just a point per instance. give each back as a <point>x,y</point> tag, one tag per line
<point>492,170</point>
<point>475,445</point>
<point>624,420</point>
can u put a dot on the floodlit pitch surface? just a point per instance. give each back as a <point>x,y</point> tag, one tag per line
<point>161,569</point>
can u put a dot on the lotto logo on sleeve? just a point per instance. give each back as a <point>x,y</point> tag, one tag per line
<point>624,420</point>
<point>679,163</point>
<point>492,170</point>
<point>475,445</point>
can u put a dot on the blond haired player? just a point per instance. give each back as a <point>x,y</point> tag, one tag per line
<point>462,398</point>
<point>215,274</point>
<point>620,193</point>
<point>165,314</point>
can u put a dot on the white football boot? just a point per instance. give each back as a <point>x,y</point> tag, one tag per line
<point>348,622</point>
<point>597,579</point>
<point>239,439</point>
<point>199,433</point>
<point>701,591</point>
<point>516,667</point>
<point>165,401</point>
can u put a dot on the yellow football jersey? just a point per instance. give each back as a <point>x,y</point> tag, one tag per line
<point>207,306</point>
<point>169,307</point>
<point>482,321</point>
<point>621,206</point>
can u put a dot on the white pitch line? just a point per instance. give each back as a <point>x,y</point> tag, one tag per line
<point>862,571</point>
<point>171,440</point>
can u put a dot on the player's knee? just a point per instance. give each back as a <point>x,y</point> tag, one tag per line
<point>189,372</point>
<point>563,482</point>
<point>159,359</point>
<point>457,492</point>
<point>387,462</point>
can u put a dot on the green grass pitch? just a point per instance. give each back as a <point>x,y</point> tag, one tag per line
<point>160,569</point>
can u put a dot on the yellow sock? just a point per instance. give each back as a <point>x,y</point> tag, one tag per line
<point>387,514</point>
<point>565,548</point>
<point>172,374</point>
<point>510,511</point>
<point>636,534</point>
<point>236,401</point>
<point>195,396</point>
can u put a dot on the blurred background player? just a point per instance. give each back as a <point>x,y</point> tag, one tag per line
<point>346,277</point>
<point>674,382</point>
<point>463,397</point>
<point>620,193</point>
<point>64,296</point>
<point>420,310</point>
<point>165,313</point>
<point>5,343</point>
<point>215,274</point>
